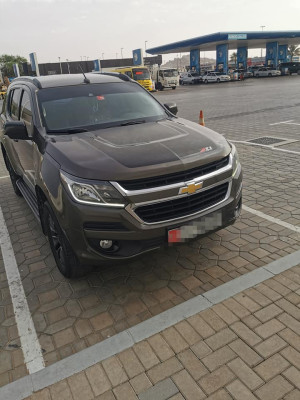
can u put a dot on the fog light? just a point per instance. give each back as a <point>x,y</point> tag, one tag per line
<point>106,244</point>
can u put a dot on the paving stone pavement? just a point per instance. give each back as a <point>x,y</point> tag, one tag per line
<point>247,347</point>
<point>70,316</point>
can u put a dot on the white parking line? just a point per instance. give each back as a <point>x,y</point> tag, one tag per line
<point>266,146</point>
<point>282,122</point>
<point>29,341</point>
<point>272,219</point>
<point>290,122</point>
<point>3,177</point>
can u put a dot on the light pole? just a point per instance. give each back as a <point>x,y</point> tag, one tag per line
<point>60,65</point>
<point>262,28</point>
<point>122,52</point>
<point>146,41</point>
<point>68,65</point>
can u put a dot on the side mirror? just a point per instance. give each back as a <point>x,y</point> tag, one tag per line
<point>16,130</point>
<point>172,107</point>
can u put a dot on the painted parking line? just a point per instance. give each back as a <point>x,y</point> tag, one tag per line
<point>277,221</point>
<point>4,177</point>
<point>290,122</point>
<point>265,146</point>
<point>282,122</point>
<point>84,359</point>
<point>29,341</point>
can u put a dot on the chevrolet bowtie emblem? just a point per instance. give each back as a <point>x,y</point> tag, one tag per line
<point>192,188</point>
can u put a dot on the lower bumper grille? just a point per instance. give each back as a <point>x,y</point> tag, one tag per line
<point>183,206</point>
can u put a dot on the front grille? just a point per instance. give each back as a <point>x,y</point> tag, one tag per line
<point>177,177</point>
<point>183,206</point>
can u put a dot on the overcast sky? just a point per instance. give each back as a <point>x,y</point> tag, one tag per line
<point>72,29</point>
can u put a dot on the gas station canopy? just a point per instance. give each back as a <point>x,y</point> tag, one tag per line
<point>251,40</point>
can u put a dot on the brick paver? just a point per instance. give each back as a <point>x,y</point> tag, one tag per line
<point>228,364</point>
<point>70,316</point>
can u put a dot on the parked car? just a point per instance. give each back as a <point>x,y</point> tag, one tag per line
<point>254,68</point>
<point>212,76</point>
<point>237,74</point>
<point>288,68</point>
<point>265,71</point>
<point>187,78</point>
<point>110,172</point>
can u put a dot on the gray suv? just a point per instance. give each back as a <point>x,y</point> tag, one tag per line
<point>110,172</point>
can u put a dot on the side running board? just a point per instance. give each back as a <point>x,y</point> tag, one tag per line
<point>29,197</point>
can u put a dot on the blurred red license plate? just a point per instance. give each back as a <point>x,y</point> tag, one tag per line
<point>199,227</point>
<point>174,236</point>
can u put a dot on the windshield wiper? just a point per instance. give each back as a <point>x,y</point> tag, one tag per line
<point>139,121</point>
<point>69,131</point>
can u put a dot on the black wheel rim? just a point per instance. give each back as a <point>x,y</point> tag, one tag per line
<point>57,244</point>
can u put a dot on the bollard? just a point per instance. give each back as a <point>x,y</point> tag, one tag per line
<point>201,118</point>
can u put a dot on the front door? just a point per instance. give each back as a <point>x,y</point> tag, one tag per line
<point>21,107</point>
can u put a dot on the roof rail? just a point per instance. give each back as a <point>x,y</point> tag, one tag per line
<point>31,79</point>
<point>117,75</point>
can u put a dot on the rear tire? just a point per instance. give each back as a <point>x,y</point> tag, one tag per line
<point>218,80</point>
<point>65,258</point>
<point>205,81</point>
<point>173,87</point>
<point>13,177</point>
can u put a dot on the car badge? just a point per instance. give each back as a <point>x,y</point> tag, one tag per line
<point>191,188</point>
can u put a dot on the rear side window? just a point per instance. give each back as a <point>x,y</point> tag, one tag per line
<point>15,103</point>
<point>25,111</point>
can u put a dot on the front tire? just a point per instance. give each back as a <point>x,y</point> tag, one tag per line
<point>218,80</point>
<point>66,260</point>
<point>173,87</point>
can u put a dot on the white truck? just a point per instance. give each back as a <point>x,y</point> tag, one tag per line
<point>164,77</point>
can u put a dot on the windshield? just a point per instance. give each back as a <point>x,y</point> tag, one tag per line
<point>170,73</point>
<point>140,74</point>
<point>95,106</point>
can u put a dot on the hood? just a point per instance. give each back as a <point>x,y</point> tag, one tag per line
<point>137,151</point>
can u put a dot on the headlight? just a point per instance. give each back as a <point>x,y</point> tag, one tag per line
<point>99,193</point>
<point>235,160</point>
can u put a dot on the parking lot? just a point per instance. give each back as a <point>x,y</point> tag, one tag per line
<point>72,315</point>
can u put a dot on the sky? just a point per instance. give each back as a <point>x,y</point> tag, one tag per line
<point>93,29</point>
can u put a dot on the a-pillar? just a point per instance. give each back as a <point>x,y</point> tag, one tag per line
<point>282,53</point>
<point>195,60</point>
<point>242,55</point>
<point>222,58</point>
<point>272,54</point>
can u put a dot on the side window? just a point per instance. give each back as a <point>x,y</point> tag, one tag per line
<point>25,112</point>
<point>14,105</point>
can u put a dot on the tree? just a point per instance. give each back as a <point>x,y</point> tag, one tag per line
<point>293,50</point>
<point>233,57</point>
<point>6,64</point>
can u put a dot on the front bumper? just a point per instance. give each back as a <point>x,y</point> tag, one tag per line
<point>86,225</point>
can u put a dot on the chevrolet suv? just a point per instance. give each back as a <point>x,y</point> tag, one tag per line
<point>110,172</point>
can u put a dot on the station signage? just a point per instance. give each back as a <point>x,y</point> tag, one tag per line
<point>137,56</point>
<point>237,36</point>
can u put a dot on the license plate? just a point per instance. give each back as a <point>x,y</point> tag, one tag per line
<point>195,228</point>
